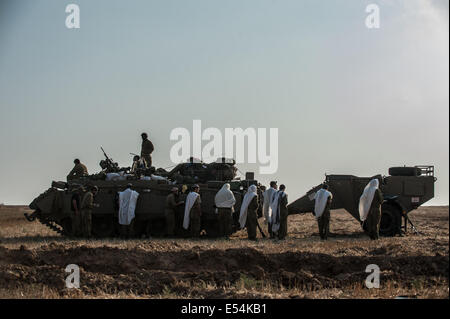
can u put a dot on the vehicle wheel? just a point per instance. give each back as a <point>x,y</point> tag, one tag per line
<point>102,226</point>
<point>391,218</point>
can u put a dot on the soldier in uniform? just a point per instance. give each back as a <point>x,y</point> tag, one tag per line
<point>146,150</point>
<point>282,232</point>
<point>252,218</point>
<point>370,208</point>
<point>138,164</point>
<point>172,203</point>
<point>267,203</point>
<point>76,211</point>
<point>224,202</point>
<point>374,217</point>
<point>248,215</point>
<point>195,214</point>
<point>322,206</point>
<point>78,170</point>
<point>87,204</point>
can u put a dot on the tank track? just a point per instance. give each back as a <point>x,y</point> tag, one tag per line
<point>52,225</point>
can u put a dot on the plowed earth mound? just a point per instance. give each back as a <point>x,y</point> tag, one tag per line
<point>303,266</point>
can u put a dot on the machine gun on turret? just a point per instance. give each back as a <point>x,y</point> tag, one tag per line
<point>107,164</point>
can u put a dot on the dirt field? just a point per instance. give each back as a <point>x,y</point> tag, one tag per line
<point>33,260</point>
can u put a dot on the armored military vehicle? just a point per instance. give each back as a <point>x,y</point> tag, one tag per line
<point>53,207</point>
<point>405,189</point>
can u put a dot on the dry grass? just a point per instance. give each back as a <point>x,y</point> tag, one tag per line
<point>33,258</point>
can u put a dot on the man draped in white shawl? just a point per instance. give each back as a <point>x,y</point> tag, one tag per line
<point>279,213</point>
<point>267,210</point>
<point>193,212</point>
<point>248,215</point>
<point>370,208</point>
<point>224,202</point>
<point>127,206</point>
<point>322,206</point>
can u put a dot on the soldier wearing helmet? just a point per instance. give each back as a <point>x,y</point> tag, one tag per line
<point>75,210</point>
<point>78,170</point>
<point>87,204</point>
<point>146,150</point>
<point>172,204</point>
<point>193,212</point>
<point>138,164</point>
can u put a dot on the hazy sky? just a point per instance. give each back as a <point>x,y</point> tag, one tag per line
<point>346,99</point>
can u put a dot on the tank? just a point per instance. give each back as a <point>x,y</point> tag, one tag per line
<point>405,189</point>
<point>53,207</point>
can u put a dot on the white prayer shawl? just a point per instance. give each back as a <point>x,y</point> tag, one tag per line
<point>127,206</point>
<point>275,206</point>
<point>245,202</point>
<point>158,178</point>
<point>225,197</point>
<point>267,211</point>
<point>321,198</point>
<point>190,200</point>
<point>116,176</point>
<point>365,201</point>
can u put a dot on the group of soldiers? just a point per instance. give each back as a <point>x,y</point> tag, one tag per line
<point>193,212</point>
<point>139,162</point>
<point>82,203</point>
<point>275,211</point>
<point>224,202</point>
<point>369,209</point>
<point>274,206</point>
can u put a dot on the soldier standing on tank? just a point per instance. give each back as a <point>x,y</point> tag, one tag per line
<point>146,150</point>
<point>172,204</point>
<point>78,170</point>
<point>87,204</point>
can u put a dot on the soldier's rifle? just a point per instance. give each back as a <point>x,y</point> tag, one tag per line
<point>111,165</point>
<point>260,229</point>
